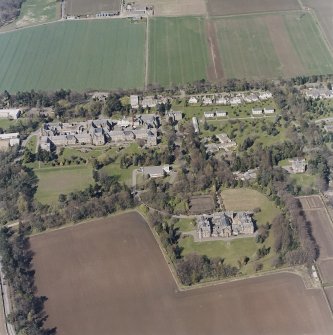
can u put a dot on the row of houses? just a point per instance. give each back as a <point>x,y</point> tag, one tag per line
<point>99,132</point>
<point>147,101</point>
<point>224,224</point>
<point>261,111</point>
<point>230,99</point>
<point>318,93</point>
<point>10,114</point>
<point>9,140</point>
<point>212,114</point>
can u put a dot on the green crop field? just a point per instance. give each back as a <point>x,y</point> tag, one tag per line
<point>105,54</point>
<point>178,51</point>
<point>309,45</point>
<point>61,180</point>
<point>269,46</point>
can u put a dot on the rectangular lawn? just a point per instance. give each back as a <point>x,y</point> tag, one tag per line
<point>61,180</point>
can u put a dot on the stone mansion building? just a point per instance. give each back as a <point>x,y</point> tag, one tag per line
<point>224,224</point>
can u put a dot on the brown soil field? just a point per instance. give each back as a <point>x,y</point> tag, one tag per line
<point>291,63</point>
<point>232,7</point>
<point>329,294</point>
<point>175,7</point>
<point>215,70</point>
<point>109,277</point>
<point>326,270</point>
<point>84,7</point>
<point>201,204</point>
<point>322,231</point>
<point>324,12</point>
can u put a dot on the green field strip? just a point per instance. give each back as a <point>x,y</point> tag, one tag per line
<point>178,50</point>
<point>308,44</point>
<point>105,54</point>
<point>246,48</point>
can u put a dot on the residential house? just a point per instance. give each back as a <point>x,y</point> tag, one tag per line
<point>9,140</point>
<point>83,138</point>
<point>155,171</point>
<point>298,165</point>
<point>242,223</point>
<point>149,102</point>
<point>11,114</point>
<point>98,137</point>
<point>209,115</point>
<point>222,101</point>
<point>221,113</point>
<point>265,95</point>
<point>224,225</point>
<point>195,124</point>
<point>134,101</point>
<point>207,101</point>
<point>234,101</point>
<point>176,116</point>
<point>193,100</point>
<point>256,111</point>
<point>269,110</point>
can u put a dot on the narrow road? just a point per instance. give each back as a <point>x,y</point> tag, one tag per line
<point>6,303</point>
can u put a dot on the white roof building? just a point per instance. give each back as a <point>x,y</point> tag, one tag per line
<point>269,110</point>
<point>10,113</point>
<point>209,114</point>
<point>9,136</point>
<point>195,124</point>
<point>156,171</point>
<point>256,111</point>
<point>235,101</point>
<point>221,113</point>
<point>193,100</point>
<point>134,100</point>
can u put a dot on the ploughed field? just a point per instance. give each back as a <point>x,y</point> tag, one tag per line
<point>231,7</point>
<point>84,7</point>
<point>109,277</point>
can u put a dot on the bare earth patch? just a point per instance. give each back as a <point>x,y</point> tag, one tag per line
<point>215,70</point>
<point>109,277</point>
<point>230,7</point>
<point>322,232</point>
<point>176,7</point>
<point>84,7</point>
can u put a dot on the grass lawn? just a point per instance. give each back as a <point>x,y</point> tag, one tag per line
<point>178,50</point>
<point>98,54</point>
<point>31,145</point>
<point>124,175</point>
<point>245,199</point>
<point>231,251</point>
<point>5,123</point>
<point>305,181</point>
<point>61,180</point>
<point>185,225</point>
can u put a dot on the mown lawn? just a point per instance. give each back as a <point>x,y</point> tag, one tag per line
<point>98,54</point>
<point>61,180</point>
<point>245,199</point>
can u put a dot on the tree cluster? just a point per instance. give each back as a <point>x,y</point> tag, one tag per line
<point>28,315</point>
